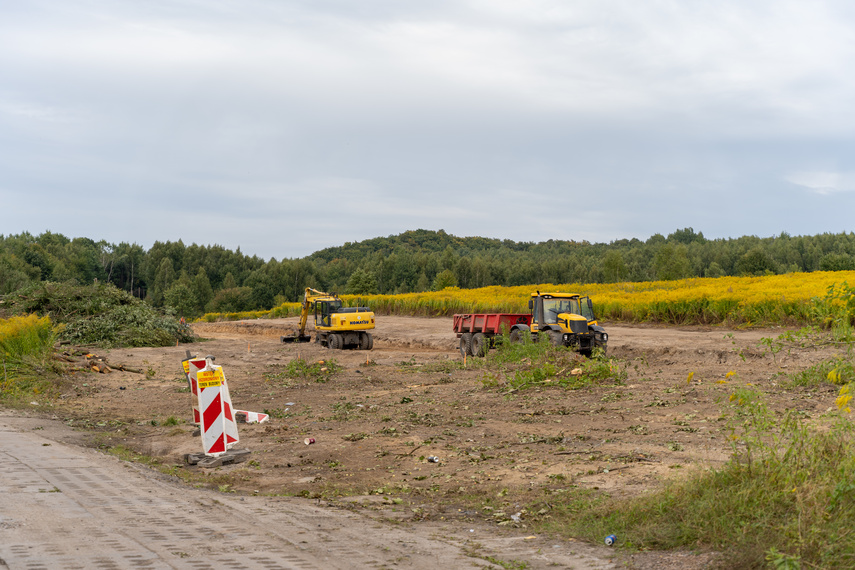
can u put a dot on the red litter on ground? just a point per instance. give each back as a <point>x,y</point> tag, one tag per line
<point>309,440</point>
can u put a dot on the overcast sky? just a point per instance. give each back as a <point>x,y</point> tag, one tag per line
<point>285,126</point>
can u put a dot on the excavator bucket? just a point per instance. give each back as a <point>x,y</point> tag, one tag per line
<point>295,336</point>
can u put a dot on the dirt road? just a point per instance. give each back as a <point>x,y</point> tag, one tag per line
<point>376,416</point>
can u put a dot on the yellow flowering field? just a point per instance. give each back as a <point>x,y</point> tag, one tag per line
<point>26,335</point>
<point>772,299</point>
<point>741,301</point>
<point>26,350</point>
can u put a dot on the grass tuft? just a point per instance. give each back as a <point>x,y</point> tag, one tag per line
<point>531,364</point>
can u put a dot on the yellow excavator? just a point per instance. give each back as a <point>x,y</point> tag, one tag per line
<point>336,326</point>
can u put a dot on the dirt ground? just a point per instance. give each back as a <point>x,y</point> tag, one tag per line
<point>378,419</point>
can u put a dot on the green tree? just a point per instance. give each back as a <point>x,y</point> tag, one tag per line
<point>672,262</point>
<point>15,273</point>
<point>836,262</point>
<point>202,289</point>
<point>444,279</point>
<point>614,269</point>
<point>714,270</point>
<point>231,300</point>
<point>686,236</point>
<point>181,299</point>
<point>464,273</point>
<point>423,284</point>
<point>756,262</point>
<point>449,258</point>
<point>361,282</point>
<point>162,281</point>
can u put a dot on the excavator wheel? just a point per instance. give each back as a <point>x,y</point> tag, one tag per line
<point>366,341</point>
<point>334,341</point>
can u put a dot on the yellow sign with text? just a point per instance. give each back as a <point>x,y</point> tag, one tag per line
<point>209,378</point>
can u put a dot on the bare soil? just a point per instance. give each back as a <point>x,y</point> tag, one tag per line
<point>377,420</point>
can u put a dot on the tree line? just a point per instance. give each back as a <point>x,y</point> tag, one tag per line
<point>194,279</point>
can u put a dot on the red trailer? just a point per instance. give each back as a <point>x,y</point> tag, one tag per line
<point>476,331</point>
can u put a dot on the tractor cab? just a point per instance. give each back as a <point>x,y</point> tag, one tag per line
<point>566,311</point>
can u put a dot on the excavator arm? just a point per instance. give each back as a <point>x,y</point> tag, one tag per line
<point>310,297</point>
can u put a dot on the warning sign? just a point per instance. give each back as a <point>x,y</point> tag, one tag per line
<point>209,378</point>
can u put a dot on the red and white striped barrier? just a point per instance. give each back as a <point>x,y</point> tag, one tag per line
<point>217,420</point>
<point>197,364</point>
<point>251,417</point>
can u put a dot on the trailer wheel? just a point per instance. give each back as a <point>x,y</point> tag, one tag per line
<point>480,345</point>
<point>366,341</point>
<point>466,344</point>
<point>516,336</point>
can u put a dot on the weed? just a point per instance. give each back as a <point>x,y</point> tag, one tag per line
<point>278,413</point>
<point>528,364</point>
<point>299,368</point>
<point>507,564</point>
<point>26,353</point>
<point>355,436</point>
<point>342,411</point>
<point>786,497</point>
<point>443,366</point>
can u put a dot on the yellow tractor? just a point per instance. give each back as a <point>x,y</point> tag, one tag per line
<point>336,326</point>
<point>567,318</point>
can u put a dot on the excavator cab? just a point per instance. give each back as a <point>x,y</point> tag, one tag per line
<point>324,311</point>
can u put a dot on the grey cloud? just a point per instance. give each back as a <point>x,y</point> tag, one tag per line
<point>482,118</point>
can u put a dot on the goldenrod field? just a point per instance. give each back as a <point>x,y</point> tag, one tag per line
<point>773,299</point>
<point>789,299</point>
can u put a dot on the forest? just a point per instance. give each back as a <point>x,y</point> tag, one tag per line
<point>190,280</point>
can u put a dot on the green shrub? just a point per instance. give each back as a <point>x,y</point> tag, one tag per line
<point>101,315</point>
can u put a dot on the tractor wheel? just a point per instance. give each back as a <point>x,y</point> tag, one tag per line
<point>366,341</point>
<point>466,344</point>
<point>556,338</point>
<point>516,336</point>
<point>480,345</point>
<point>335,341</point>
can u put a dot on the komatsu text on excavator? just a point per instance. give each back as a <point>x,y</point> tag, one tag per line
<point>336,326</point>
